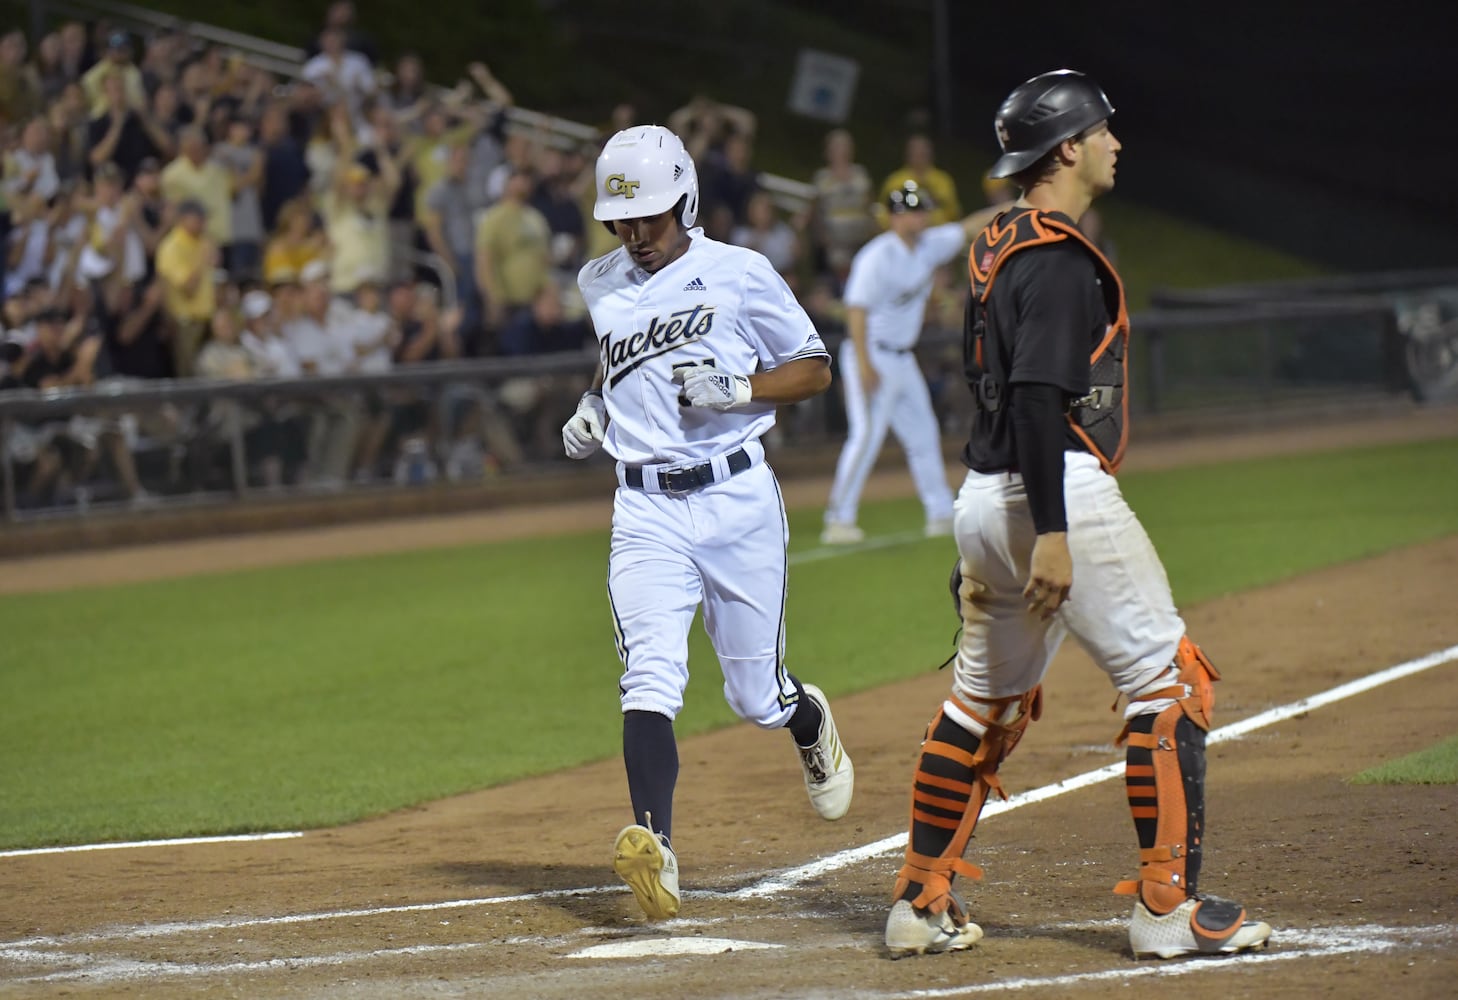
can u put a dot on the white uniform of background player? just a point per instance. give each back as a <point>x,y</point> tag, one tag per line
<point>699,342</point>
<point>885,296</point>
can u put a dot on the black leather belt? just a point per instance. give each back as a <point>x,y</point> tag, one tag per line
<point>893,350</point>
<point>688,478</point>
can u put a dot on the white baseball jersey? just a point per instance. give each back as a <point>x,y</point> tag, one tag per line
<point>892,282</point>
<point>722,545</point>
<point>716,304</point>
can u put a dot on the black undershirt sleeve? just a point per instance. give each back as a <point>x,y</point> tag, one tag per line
<point>1037,414</point>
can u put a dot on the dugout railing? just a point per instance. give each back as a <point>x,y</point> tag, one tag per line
<point>434,425</point>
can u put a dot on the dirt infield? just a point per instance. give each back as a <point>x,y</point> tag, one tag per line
<point>507,892</point>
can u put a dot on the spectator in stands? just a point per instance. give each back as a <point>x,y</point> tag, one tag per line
<point>263,339</point>
<point>557,202</point>
<point>705,124</point>
<point>342,76</point>
<point>383,133</point>
<point>243,161</point>
<point>30,168</point>
<point>842,214</point>
<point>187,262</point>
<point>122,133</point>
<point>726,178</point>
<point>322,338</point>
<point>513,263</point>
<point>376,336</point>
<point>428,152</point>
<point>115,63</point>
<point>296,243</point>
<point>152,217</point>
<point>450,212</point>
<point>223,355</point>
<point>196,176</point>
<point>340,16</point>
<point>21,91</point>
<point>285,174</point>
<point>168,111</point>
<point>115,238</point>
<point>48,68</point>
<point>407,94</point>
<point>356,214</point>
<point>767,233</point>
<point>65,355</point>
<point>919,167</point>
<point>75,58</point>
<point>519,152</point>
<point>134,325</point>
<point>70,133</point>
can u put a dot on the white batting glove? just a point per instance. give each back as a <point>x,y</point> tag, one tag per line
<point>582,435</point>
<point>707,386</point>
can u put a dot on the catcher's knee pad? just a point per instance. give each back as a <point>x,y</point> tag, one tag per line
<point>1164,774</point>
<point>954,774</point>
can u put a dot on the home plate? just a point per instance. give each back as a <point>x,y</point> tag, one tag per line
<point>651,947</point>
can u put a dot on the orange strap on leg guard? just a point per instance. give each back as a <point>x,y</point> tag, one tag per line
<point>1164,774</point>
<point>941,802</point>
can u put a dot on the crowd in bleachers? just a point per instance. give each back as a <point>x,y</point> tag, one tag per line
<point>170,210</point>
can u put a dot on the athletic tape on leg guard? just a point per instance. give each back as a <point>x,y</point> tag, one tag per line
<point>956,803</point>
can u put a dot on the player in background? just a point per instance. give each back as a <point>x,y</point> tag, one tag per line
<point>885,296</point>
<point>700,342</point>
<point>1049,547</point>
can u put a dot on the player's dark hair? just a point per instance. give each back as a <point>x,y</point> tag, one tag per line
<point>1042,168</point>
<point>677,210</point>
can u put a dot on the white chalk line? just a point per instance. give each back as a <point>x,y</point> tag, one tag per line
<point>795,558</point>
<point>239,838</point>
<point>772,884</point>
<point>1316,942</point>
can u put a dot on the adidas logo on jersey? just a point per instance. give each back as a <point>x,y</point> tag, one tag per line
<point>695,286</point>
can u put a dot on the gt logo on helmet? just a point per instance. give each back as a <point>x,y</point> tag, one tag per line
<point>619,184</point>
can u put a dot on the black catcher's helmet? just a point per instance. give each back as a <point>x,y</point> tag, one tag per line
<point>909,197</point>
<point>1041,113</point>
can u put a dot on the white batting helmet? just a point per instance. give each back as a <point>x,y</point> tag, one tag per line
<point>645,170</point>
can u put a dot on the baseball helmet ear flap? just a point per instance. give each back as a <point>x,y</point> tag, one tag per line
<point>1042,112</point>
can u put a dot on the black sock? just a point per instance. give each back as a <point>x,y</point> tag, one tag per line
<point>650,754</point>
<point>804,725</point>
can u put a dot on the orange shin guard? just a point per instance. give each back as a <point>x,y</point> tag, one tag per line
<point>954,775</point>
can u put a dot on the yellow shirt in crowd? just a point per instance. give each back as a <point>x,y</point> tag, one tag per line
<point>360,238</point>
<point>210,184</point>
<point>179,256</point>
<point>518,241</point>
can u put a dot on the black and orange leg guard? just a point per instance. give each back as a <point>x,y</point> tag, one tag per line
<point>956,771</point>
<point>1164,772</point>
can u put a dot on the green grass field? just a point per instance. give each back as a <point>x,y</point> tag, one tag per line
<point>1437,765</point>
<point>317,694</point>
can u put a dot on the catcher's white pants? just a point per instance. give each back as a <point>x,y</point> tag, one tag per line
<point>901,404</point>
<point>1120,609</point>
<point>723,545</point>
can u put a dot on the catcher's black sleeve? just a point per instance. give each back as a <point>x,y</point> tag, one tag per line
<point>1037,411</point>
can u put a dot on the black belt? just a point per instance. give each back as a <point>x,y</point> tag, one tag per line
<point>894,350</point>
<point>690,477</point>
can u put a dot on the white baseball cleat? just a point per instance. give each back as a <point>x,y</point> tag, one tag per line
<point>1201,925</point>
<point>830,778</point>
<point>910,932</point>
<point>644,860</point>
<point>938,527</point>
<point>838,533</point>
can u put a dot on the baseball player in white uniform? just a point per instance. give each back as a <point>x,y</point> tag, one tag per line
<point>699,342</point>
<point>885,296</point>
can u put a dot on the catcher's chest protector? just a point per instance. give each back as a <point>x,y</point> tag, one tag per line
<point>1100,419</point>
